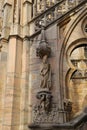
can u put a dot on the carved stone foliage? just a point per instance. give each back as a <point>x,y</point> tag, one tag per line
<point>40,116</point>
<point>53,116</point>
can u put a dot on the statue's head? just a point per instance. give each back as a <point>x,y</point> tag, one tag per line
<point>45,59</point>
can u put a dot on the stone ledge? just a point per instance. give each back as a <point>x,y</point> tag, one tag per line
<point>73,124</point>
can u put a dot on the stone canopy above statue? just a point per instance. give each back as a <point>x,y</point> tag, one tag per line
<point>43,48</point>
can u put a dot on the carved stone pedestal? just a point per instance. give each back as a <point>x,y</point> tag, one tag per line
<point>78,123</point>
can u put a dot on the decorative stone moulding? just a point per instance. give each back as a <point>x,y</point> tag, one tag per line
<point>84,26</point>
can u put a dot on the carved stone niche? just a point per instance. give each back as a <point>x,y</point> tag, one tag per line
<point>45,98</point>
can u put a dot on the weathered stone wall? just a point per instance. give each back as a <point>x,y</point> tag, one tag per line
<point>20,72</point>
<point>2,89</point>
<point>56,115</point>
<point>3,67</point>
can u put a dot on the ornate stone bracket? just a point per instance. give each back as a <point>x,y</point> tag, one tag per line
<point>45,99</point>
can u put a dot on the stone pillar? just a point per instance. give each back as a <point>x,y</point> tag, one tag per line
<point>35,8</point>
<point>25,86</point>
<point>16,12</point>
<point>27,11</point>
<point>3,61</point>
<point>7,18</point>
<point>11,116</point>
<point>59,89</point>
<point>27,8</point>
<point>16,28</point>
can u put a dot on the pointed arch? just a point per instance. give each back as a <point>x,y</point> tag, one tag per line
<point>64,48</point>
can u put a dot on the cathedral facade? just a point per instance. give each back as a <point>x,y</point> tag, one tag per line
<point>43,64</point>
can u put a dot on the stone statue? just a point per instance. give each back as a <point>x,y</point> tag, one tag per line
<point>45,73</point>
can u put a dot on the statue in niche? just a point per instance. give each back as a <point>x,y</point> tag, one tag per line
<point>45,73</point>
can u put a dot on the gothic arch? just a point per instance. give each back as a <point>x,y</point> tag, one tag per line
<point>72,26</point>
<point>84,24</point>
<point>73,45</point>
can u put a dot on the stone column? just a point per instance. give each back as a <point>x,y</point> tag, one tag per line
<point>35,8</point>
<point>27,6</point>
<point>3,61</point>
<point>17,11</point>
<point>25,86</point>
<point>11,116</point>
<point>27,11</point>
<point>16,28</point>
<point>59,89</point>
<point>7,18</point>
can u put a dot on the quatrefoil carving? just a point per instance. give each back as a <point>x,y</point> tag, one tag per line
<point>78,59</point>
